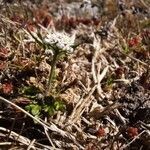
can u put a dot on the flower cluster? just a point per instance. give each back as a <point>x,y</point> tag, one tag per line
<point>61,40</point>
<point>58,40</point>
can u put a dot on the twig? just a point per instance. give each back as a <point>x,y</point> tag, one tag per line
<point>144,4</point>
<point>94,70</point>
<point>78,110</point>
<point>25,112</point>
<point>51,127</point>
<point>5,143</point>
<point>46,132</point>
<point>31,144</point>
<point>98,113</point>
<point>24,141</point>
<point>21,139</point>
<point>124,147</point>
<point>122,119</point>
<point>135,59</point>
<point>99,79</point>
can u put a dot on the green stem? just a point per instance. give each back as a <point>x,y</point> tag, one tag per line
<point>53,65</point>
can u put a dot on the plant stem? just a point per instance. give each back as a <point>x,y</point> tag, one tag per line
<point>53,65</point>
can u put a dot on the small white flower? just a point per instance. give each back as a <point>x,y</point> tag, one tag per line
<point>61,40</point>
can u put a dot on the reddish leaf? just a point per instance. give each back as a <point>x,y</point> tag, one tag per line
<point>72,22</point>
<point>85,21</point>
<point>132,132</point>
<point>119,72</point>
<point>47,21</point>
<point>7,88</point>
<point>133,41</point>
<point>30,26</point>
<point>17,18</point>
<point>2,65</point>
<point>4,53</point>
<point>96,21</point>
<point>101,132</point>
<point>43,16</point>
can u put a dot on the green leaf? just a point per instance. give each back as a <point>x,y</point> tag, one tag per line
<point>28,108</point>
<point>110,81</point>
<point>30,90</point>
<point>45,108</point>
<point>59,105</point>
<point>126,49</point>
<point>35,109</point>
<point>49,109</point>
<point>37,116</point>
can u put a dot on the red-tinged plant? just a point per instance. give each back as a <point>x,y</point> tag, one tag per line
<point>17,18</point>
<point>96,21</point>
<point>64,20</point>
<point>39,14</point>
<point>72,22</point>
<point>47,21</point>
<point>2,65</point>
<point>30,26</point>
<point>101,132</point>
<point>42,16</point>
<point>85,21</point>
<point>132,132</point>
<point>133,41</point>
<point>119,72</point>
<point>4,53</point>
<point>7,88</point>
